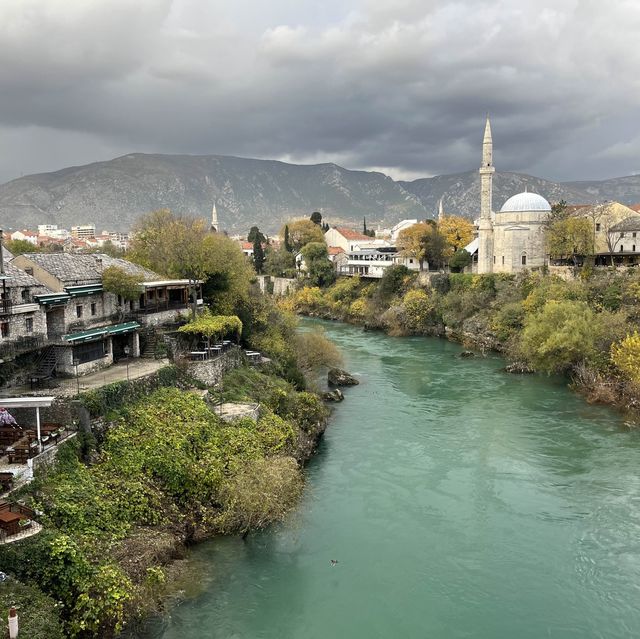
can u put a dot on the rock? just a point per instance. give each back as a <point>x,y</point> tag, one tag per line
<point>467,354</point>
<point>333,396</point>
<point>338,377</point>
<point>518,368</point>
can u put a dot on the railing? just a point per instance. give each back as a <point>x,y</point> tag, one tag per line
<point>22,345</point>
<point>6,305</point>
<point>162,305</point>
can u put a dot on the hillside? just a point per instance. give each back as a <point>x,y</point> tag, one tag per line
<point>115,193</point>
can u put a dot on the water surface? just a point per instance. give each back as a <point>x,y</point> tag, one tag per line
<point>459,501</point>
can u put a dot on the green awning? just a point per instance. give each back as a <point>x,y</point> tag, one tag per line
<point>52,299</point>
<point>85,336</point>
<point>118,329</point>
<point>103,331</point>
<point>85,289</point>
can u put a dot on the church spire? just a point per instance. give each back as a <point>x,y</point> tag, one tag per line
<point>214,219</point>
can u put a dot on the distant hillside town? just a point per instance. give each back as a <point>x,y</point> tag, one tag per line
<point>82,237</point>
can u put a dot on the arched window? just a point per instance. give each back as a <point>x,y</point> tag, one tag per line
<point>523,259</point>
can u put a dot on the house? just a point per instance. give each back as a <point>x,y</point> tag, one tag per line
<point>625,240</point>
<point>25,236</point>
<point>88,327</point>
<point>22,321</point>
<point>373,262</point>
<point>346,239</point>
<point>401,226</point>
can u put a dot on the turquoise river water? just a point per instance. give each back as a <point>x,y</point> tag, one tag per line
<point>458,500</point>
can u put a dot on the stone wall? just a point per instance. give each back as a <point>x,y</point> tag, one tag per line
<point>210,371</point>
<point>162,317</point>
<point>277,286</point>
<point>60,412</point>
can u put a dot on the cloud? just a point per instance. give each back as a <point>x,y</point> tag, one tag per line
<point>401,84</point>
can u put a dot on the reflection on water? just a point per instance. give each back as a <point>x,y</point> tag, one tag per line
<point>459,502</point>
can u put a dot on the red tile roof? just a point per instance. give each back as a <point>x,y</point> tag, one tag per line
<point>350,234</point>
<point>635,207</point>
<point>335,250</point>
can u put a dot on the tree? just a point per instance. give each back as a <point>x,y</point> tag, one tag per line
<point>559,211</point>
<point>19,247</point>
<point>423,242</point>
<point>213,326</point>
<point>279,263</point>
<point>459,260</point>
<point>316,218</point>
<point>365,231</point>
<point>561,335</point>
<point>319,268</point>
<point>569,237</point>
<point>287,241</point>
<point>118,281</point>
<point>184,247</point>
<point>302,232</point>
<point>315,352</point>
<point>457,231</point>
<point>625,356</point>
<point>258,253</point>
<point>254,233</point>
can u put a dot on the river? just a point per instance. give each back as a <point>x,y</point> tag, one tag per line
<point>458,500</point>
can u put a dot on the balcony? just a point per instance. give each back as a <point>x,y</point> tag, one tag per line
<point>158,306</point>
<point>6,305</point>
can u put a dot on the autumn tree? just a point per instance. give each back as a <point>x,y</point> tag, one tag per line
<point>118,281</point>
<point>569,237</point>
<point>457,231</point>
<point>184,248</point>
<point>423,242</point>
<point>19,247</point>
<point>302,232</point>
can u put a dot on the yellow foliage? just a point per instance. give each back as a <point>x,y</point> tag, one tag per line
<point>358,309</point>
<point>457,231</point>
<point>307,298</point>
<point>625,355</point>
<point>418,308</point>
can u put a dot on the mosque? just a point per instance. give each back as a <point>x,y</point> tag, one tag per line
<point>511,239</point>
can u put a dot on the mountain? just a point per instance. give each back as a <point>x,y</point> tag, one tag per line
<point>114,194</point>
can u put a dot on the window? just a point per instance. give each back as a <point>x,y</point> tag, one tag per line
<point>28,324</point>
<point>524,260</point>
<point>4,329</point>
<point>597,226</point>
<point>633,235</point>
<point>93,308</point>
<point>621,248</point>
<point>28,270</point>
<point>79,310</point>
<point>494,259</point>
<point>633,248</point>
<point>621,234</point>
<point>89,352</point>
<point>26,295</point>
<point>503,260</point>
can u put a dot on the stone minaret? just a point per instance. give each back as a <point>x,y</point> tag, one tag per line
<point>440,210</point>
<point>485,227</point>
<point>214,219</point>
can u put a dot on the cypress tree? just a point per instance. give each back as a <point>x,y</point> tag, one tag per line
<point>287,243</point>
<point>258,255</point>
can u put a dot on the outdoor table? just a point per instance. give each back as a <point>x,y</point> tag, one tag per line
<point>198,354</point>
<point>9,522</point>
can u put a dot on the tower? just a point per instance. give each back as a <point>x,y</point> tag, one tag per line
<point>440,210</point>
<point>214,219</point>
<point>485,227</point>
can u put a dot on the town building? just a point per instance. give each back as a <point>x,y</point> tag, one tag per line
<point>84,326</point>
<point>83,231</point>
<point>25,236</point>
<point>513,238</point>
<point>625,241</point>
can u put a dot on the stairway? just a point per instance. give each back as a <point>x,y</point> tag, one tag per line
<point>46,364</point>
<point>151,341</point>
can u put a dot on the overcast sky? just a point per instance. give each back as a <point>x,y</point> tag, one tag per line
<point>402,86</point>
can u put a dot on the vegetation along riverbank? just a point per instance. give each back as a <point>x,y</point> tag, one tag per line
<point>157,465</point>
<point>585,328</point>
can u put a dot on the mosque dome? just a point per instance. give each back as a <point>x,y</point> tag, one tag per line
<point>525,202</point>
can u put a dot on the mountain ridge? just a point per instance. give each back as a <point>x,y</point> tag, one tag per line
<point>114,193</point>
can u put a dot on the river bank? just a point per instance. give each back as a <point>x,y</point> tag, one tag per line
<point>159,472</point>
<point>582,329</point>
<point>457,500</point>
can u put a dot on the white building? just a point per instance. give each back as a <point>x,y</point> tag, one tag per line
<point>83,231</point>
<point>25,236</point>
<point>373,262</point>
<point>401,226</point>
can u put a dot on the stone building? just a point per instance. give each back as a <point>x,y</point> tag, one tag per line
<point>513,238</point>
<point>87,327</point>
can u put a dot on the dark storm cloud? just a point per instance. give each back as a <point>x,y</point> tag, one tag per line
<point>402,85</point>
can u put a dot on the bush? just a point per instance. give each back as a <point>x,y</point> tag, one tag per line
<point>393,281</point>
<point>625,356</point>
<point>561,335</point>
<point>419,310</point>
<point>508,320</point>
<point>38,613</point>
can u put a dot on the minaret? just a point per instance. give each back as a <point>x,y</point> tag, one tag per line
<point>485,228</point>
<point>440,210</point>
<point>214,219</point>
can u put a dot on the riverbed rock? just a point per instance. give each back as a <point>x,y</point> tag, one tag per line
<point>518,368</point>
<point>338,377</point>
<point>467,354</point>
<point>333,396</point>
